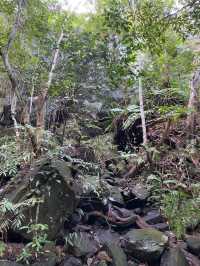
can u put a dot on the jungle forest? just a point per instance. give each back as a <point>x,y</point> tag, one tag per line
<point>100,132</point>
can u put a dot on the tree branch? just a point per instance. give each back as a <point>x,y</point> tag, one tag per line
<point>4,51</point>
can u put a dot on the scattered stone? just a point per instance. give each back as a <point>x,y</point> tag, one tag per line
<point>117,254</point>
<point>132,263</point>
<point>138,197</point>
<point>82,244</point>
<point>115,196</point>
<point>145,244</point>
<point>9,263</point>
<point>72,261</point>
<point>174,257</point>
<point>102,263</point>
<point>153,217</point>
<point>161,227</point>
<point>50,261</point>
<point>193,244</point>
<point>92,131</point>
<point>79,151</point>
<point>107,236</point>
<point>102,255</point>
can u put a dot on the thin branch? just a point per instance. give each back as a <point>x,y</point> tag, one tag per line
<point>4,51</point>
<point>184,8</point>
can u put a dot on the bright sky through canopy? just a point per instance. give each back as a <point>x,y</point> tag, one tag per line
<point>79,6</point>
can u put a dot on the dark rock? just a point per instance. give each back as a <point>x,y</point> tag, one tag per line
<point>153,217</point>
<point>9,263</point>
<point>117,254</point>
<point>107,236</point>
<point>116,196</point>
<point>52,180</point>
<point>79,151</point>
<point>82,244</point>
<point>132,263</point>
<point>193,244</point>
<point>102,263</point>
<point>138,211</point>
<point>161,226</point>
<point>50,261</point>
<point>72,261</point>
<point>145,244</point>
<point>130,137</point>
<point>138,197</point>
<point>92,131</point>
<point>174,257</point>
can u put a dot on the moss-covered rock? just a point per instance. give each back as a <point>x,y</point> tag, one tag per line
<point>145,244</point>
<point>193,244</point>
<point>52,181</point>
<point>174,257</point>
<point>117,254</point>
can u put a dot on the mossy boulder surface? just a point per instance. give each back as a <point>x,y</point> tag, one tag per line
<point>145,244</point>
<point>117,254</point>
<point>174,257</point>
<point>51,180</point>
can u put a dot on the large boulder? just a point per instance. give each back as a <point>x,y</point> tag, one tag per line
<point>193,244</point>
<point>51,180</point>
<point>117,254</point>
<point>145,244</point>
<point>174,257</point>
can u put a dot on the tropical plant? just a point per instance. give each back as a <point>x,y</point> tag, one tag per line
<point>181,210</point>
<point>35,247</point>
<point>11,214</point>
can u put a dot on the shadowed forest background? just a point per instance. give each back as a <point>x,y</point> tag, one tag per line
<point>100,133</point>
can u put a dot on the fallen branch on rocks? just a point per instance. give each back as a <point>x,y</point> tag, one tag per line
<point>114,219</point>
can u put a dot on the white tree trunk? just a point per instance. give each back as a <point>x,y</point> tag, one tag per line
<point>193,103</point>
<point>142,112</point>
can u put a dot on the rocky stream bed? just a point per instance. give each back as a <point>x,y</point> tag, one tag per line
<point>94,218</point>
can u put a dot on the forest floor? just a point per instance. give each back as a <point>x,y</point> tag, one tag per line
<point>138,207</point>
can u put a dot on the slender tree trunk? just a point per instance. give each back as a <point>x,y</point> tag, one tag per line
<point>142,112</point>
<point>4,53</point>
<point>13,114</point>
<point>41,99</point>
<point>193,103</point>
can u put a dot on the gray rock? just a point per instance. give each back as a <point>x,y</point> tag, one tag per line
<point>72,261</point>
<point>51,261</point>
<point>138,197</point>
<point>117,254</point>
<point>91,131</point>
<point>145,244</point>
<point>82,244</point>
<point>52,180</point>
<point>174,257</point>
<point>9,263</point>
<point>161,227</point>
<point>107,236</point>
<point>102,263</point>
<point>132,263</point>
<point>115,196</point>
<point>193,244</point>
<point>153,217</point>
<point>140,192</point>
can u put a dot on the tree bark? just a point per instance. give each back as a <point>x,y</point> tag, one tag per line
<point>41,99</point>
<point>193,103</point>
<point>142,112</point>
<point>4,52</point>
